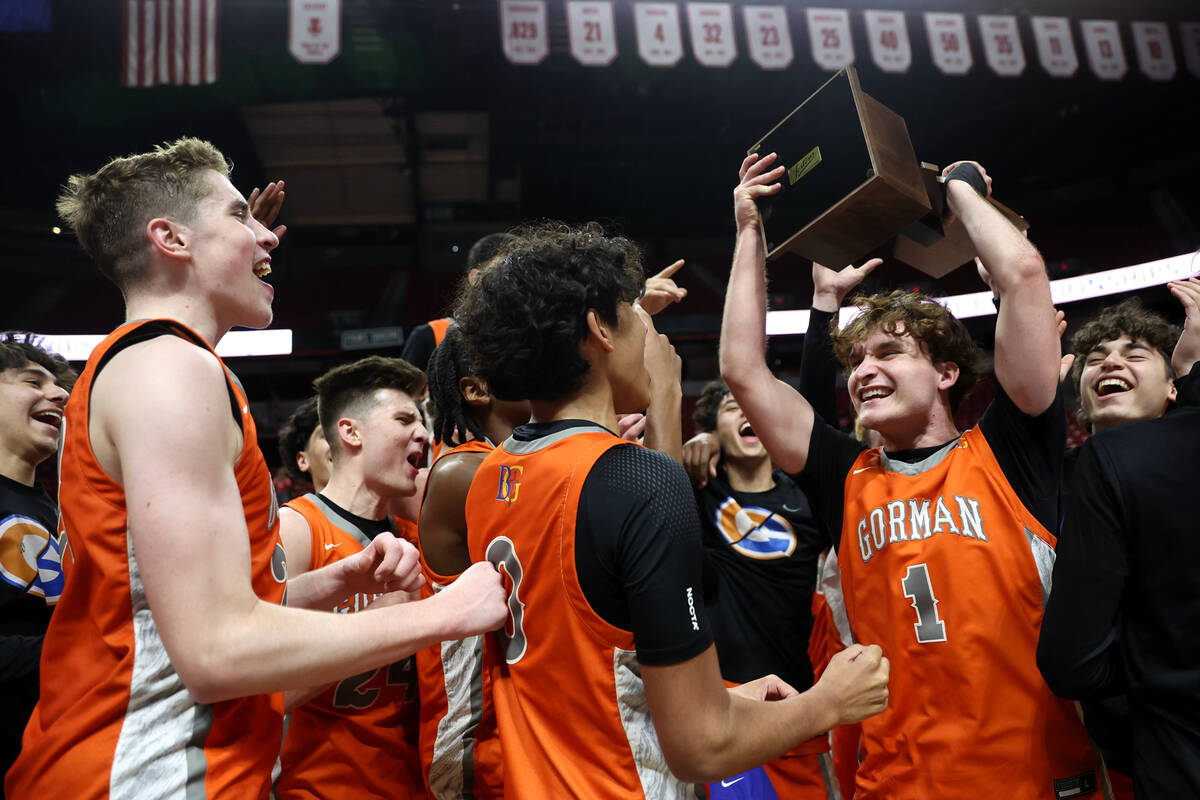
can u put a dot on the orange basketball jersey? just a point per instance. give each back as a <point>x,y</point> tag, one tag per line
<point>945,569</point>
<point>460,752</point>
<point>570,705</point>
<point>113,718</point>
<point>357,738</point>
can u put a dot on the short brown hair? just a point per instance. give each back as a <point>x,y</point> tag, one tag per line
<point>344,390</point>
<point>108,209</point>
<point>1127,318</point>
<point>929,323</point>
<point>19,349</point>
<point>709,404</point>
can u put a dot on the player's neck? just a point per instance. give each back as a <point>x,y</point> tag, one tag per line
<point>188,310</point>
<point>17,468</point>
<point>591,403</point>
<point>749,474</point>
<point>938,429</point>
<point>349,492</point>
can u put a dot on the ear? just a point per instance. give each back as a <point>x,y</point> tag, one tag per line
<point>168,238</point>
<point>599,331</point>
<point>947,375</point>
<point>1172,393</point>
<point>302,461</point>
<point>474,391</point>
<point>348,433</point>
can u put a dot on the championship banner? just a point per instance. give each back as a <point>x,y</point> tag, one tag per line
<point>948,42</point>
<point>169,42</point>
<point>1102,42</point>
<point>1155,56</point>
<point>592,33</point>
<point>1189,34</point>
<point>315,30</point>
<point>523,31</point>
<point>711,28</point>
<point>768,36</point>
<point>829,36</point>
<point>887,33</point>
<point>1056,48</point>
<point>659,37</point>
<point>1002,44</point>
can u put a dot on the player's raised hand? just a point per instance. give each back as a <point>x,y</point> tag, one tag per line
<point>856,681</point>
<point>701,453</point>
<point>265,205</point>
<point>830,287</point>
<point>768,687</point>
<point>662,362</point>
<point>661,290</point>
<point>389,564</point>
<point>1068,360</point>
<point>758,179</point>
<point>477,599</point>
<point>1187,349</point>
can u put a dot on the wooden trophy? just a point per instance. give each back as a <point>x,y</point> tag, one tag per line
<point>854,184</point>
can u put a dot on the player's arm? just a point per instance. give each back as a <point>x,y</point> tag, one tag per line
<point>189,534</point>
<point>443,526</point>
<point>780,415</point>
<point>709,732</point>
<point>664,431</point>
<point>1187,349</point>
<point>1078,650</point>
<point>1028,353</point>
<point>297,542</point>
<point>818,364</point>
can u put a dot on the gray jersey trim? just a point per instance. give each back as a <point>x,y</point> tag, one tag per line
<point>932,460</point>
<point>341,523</point>
<point>519,447</point>
<point>1043,558</point>
<point>653,772</point>
<point>452,773</point>
<point>835,597</point>
<point>160,750</point>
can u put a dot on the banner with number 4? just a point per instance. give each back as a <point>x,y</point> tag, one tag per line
<point>888,34</point>
<point>523,30</point>
<point>593,36</point>
<point>660,40</point>
<point>768,36</point>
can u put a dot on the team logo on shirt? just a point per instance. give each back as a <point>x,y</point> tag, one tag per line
<point>755,532</point>
<point>510,483</point>
<point>29,557</point>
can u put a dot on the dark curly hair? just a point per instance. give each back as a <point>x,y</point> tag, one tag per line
<point>294,434</point>
<point>488,248</point>
<point>525,318</point>
<point>925,319</point>
<point>1127,318</point>
<point>18,349</point>
<point>452,420</point>
<point>709,403</point>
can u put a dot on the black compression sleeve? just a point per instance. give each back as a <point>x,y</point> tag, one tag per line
<point>638,553</point>
<point>818,369</point>
<point>831,453</point>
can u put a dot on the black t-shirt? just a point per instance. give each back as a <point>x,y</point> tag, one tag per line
<point>1125,606</point>
<point>637,547</point>
<point>25,511</point>
<point>419,346</point>
<point>762,550</point>
<point>1028,449</point>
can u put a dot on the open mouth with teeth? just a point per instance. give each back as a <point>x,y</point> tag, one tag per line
<point>1112,386</point>
<point>52,418</point>
<point>873,394</point>
<point>747,432</point>
<point>262,269</point>
<point>415,459</point>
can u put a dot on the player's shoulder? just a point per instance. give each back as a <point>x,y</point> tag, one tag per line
<point>635,471</point>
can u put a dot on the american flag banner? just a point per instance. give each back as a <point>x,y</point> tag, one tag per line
<point>169,42</point>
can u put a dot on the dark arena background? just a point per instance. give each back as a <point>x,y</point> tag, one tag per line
<point>419,136</point>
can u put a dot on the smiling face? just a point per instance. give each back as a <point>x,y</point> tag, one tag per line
<point>231,252</point>
<point>31,412</point>
<point>392,439</point>
<point>897,390</point>
<point>735,435</point>
<point>1123,380</point>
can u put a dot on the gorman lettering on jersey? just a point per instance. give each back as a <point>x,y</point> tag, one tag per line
<point>915,519</point>
<point>510,483</point>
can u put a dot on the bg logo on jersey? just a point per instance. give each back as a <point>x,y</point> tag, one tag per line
<point>510,483</point>
<point>755,532</point>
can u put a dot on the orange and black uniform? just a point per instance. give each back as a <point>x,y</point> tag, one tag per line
<point>423,340</point>
<point>945,557</point>
<point>598,543</point>
<point>460,751</point>
<point>122,723</point>
<point>358,737</point>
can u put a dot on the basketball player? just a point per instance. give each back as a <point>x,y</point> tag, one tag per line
<point>460,751</point>
<point>362,731</point>
<point>303,449</point>
<point>33,390</point>
<point>949,531</point>
<point>171,627</point>
<point>609,686</point>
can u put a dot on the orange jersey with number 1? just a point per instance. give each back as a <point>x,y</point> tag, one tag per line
<point>357,738</point>
<point>114,718</point>
<point>460,752</point>
<point>570,705</point>
<point>947,571</point>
